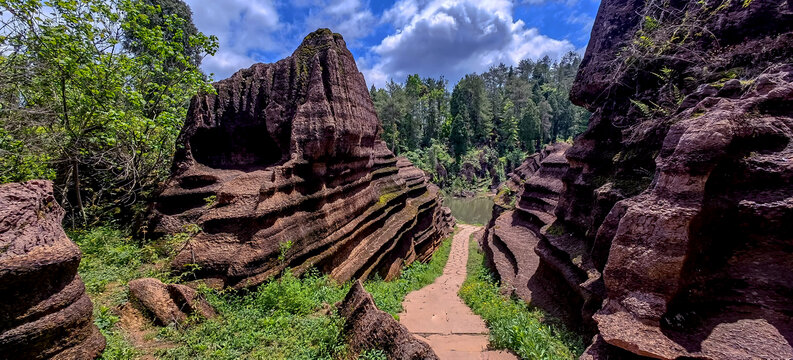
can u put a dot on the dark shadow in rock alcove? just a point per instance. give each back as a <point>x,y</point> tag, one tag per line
<point>240,148</point>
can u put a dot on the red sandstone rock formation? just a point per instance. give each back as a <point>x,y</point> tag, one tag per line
<point>44,310</point>
<point>368,327</point>
<point>171,303</point>
<point>674,234</point>
<point>522,214</point>
<point>284,168</point>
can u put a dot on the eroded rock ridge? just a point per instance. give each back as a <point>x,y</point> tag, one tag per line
<point>674,229</point>
<point>284,167</point>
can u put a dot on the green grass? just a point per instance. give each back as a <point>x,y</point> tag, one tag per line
<point>285,318</point>
<point>388,295</point>
<point>513,324</point>
<point>282,319</point>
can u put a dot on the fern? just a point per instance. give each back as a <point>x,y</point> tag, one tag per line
<point>643,108</point>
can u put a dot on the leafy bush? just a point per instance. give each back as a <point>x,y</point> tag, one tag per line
<point>513,324</point>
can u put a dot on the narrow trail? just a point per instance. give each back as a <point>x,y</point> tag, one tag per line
<point>437,315</point>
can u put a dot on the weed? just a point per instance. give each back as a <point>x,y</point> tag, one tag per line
<point>281,319</point>
<point>374,354</point>
<point>283,248</point>
<point>285,318</point>
<point>513,324</point>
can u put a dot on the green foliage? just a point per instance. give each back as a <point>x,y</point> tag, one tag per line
<point>109,256</point>
<point>282,319</point>
<point>513,324</point>
<point>374,354</point>
<point>285,318</point>
<point>98,117</point>
<point>511,110</point>
<point>283,249</point>
<point>388,295</point>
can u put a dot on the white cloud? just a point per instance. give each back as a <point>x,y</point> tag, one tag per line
<point>452,38</point>
<point>351,18</point>
<point>250,29</point>
<point>242,27</point>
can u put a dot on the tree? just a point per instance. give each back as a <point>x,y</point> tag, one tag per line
<point>508,130</point>
<point>488,122</point>
<point>459,140</point>
<point>529,127</point>
<point>159,13</point>
<point>102,117</point>
<point>468,99</point>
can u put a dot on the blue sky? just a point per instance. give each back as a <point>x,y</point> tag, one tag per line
<point>392,39</point>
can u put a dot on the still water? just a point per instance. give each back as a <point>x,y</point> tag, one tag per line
<point>473,210</point>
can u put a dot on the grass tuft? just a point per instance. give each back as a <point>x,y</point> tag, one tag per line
<point>513,324</point>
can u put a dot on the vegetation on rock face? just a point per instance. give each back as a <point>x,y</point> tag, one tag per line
<point>93,95</point>
<point>285,318</point>
<point>470,138</point>
<point>513,324</point>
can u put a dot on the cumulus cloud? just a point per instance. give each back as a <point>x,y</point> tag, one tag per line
<point>251,31</point>
<point>351,18</point>
<point>454,37</point>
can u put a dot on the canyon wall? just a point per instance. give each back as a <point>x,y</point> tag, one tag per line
<point>284,167</point>
<point>45,312</point>
<point>522,213</point>
<point>674,229</point>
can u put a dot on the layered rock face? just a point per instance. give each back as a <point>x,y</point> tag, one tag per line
<point>284,168</point>
<point>522,214</point>
<point>44,310</point>
<point>675,226</point>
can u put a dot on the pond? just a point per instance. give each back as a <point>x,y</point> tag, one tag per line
<point>470,210</point>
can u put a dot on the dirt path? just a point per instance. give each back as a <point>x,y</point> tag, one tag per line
<point>436,314</point>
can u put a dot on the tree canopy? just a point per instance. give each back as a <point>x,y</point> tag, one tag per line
<point>470,137</point>
<point>93,95</point>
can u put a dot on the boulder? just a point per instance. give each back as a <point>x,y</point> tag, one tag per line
<point>284,167</point>
<point>170,304</point>
<point>45,312</point>
<point>368,327</point>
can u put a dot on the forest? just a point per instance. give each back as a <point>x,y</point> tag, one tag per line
<point>469,138</point>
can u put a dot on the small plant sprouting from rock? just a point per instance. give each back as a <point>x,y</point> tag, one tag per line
<point>211,201</point>
<point>283,249</point>
<point>373,354</point>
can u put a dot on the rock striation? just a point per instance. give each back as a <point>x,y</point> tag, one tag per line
<point>522,214</point>
<point>368,327</point>
<point>674,231</point>
<point>673,234</point>
<point>45,312</point>
<point>284,167</point>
